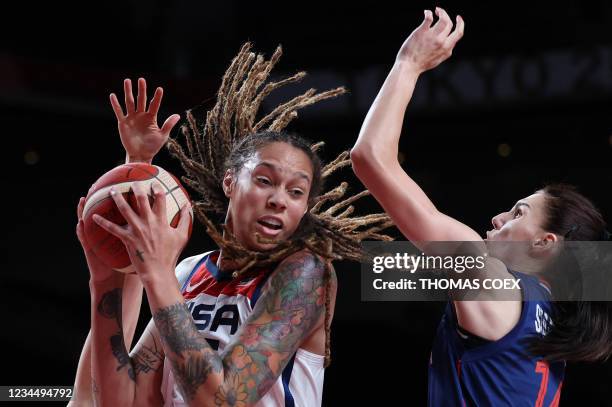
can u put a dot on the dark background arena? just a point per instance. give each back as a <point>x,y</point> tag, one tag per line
<point>525,99</point>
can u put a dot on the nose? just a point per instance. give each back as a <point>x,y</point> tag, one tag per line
<point>498,221</point>
<point>277,201</point>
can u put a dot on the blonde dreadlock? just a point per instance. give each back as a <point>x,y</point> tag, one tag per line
<point>332,233</point>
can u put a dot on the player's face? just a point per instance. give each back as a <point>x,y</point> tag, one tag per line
<point>269,196</point>
<point>522,223</point>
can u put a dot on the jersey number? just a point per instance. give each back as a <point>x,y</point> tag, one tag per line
<point>543,368</point>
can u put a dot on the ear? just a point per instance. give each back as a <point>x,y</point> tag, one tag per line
<point>545,242</point>
<point>228,183</point>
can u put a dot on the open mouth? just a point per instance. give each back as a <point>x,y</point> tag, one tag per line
<point>273,224</point>
<point>270,226</point>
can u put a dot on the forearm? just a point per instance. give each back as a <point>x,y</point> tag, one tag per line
<point>82,395</point>
<point>381,129</point>
<point>197,368</point>
<point>132,299</point>
<point>374,156</point>
<point>112,373</point>
<point>131,304</point>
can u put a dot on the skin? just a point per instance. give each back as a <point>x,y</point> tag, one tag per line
<point>289,314</point>
<point>142,138</point>
<point>275,181</point>
<point>374,159</point>
<point>522,223</point>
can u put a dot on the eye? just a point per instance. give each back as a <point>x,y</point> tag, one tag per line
<point>263,180</point>
<point>296,192</point>
<point>517,212</point>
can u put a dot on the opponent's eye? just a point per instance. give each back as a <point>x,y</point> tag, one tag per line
<point>517,212</point>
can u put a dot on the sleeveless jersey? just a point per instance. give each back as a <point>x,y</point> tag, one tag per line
<point>497,373</point>
<point>218,306</point>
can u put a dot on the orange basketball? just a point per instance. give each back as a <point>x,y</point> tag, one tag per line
<point>107,247</point>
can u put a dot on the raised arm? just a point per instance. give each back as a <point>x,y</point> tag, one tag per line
<point>289,310</point>
<point>142,139</point>
<point>374,155</point>
<point>375,163</point>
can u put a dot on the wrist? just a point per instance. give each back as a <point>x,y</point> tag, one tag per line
<point>129,159</point>
<point>407,69</point>
<point>162,289</point>
<point>115,280</point>
<point>154,279</point>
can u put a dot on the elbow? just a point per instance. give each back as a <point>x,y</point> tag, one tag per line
<point>362,158</point>
<point>366,160</point>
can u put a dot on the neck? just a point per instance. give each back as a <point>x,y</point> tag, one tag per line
<point>224,263</point>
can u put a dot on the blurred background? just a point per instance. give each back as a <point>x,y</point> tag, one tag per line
<point>524,100</point>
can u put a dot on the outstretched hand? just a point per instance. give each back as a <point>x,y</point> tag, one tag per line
<point>140,135</point>
<point>429,45</point>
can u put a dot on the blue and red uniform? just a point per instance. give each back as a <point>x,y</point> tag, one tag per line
<point>219,305</point>
<point>496,373</point>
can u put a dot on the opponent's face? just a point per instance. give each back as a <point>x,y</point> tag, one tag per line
<point>522,222</point>
<point>269,195</point>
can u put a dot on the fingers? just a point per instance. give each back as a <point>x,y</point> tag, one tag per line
<point>80,226</point>
<point>129,97</point>
<point>427,20</point>
<point>80,207</point>
<point>183,225</point>
<point>142,95</point>
<point>80,233</point>
<point>142,200</point>
<point>111,227</point>
<point>159,203</point>
<point>156,101</point>
<point>124,208</point>
<point>116,107</point>
<point>456,35</point>
<point>169,124</point>
<point>444,24</point>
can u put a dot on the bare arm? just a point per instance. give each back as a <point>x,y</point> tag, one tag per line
<point>375,163</point>
<point>132,299</point>
<point>142,138</point>
<point>374,155</point>
<point>120,378</point>
<point>289,310</point>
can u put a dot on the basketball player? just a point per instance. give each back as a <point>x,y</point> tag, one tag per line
<point>486,353</point>
<point>247,324</point>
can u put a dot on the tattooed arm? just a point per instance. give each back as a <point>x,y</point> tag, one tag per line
<point>132,298</point>
<point>289,310</point>
<point>120,378</point>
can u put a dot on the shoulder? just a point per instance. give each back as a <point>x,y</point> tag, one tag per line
<point>304,264</point>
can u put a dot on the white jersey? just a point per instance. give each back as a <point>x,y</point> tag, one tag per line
<point>218,306</point>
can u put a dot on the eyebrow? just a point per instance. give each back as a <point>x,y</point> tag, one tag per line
<point>273,167</point>
<point>519,204</point>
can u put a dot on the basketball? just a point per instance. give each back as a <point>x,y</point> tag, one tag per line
<point>108,248</point>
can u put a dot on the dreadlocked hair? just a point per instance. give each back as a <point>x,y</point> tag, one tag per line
<point>232,132</point>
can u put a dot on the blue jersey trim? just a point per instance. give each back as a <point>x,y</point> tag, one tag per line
<point>257,291</point>
<point>195,268</point>
<point>214,270</point>
<point>289,402</point>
